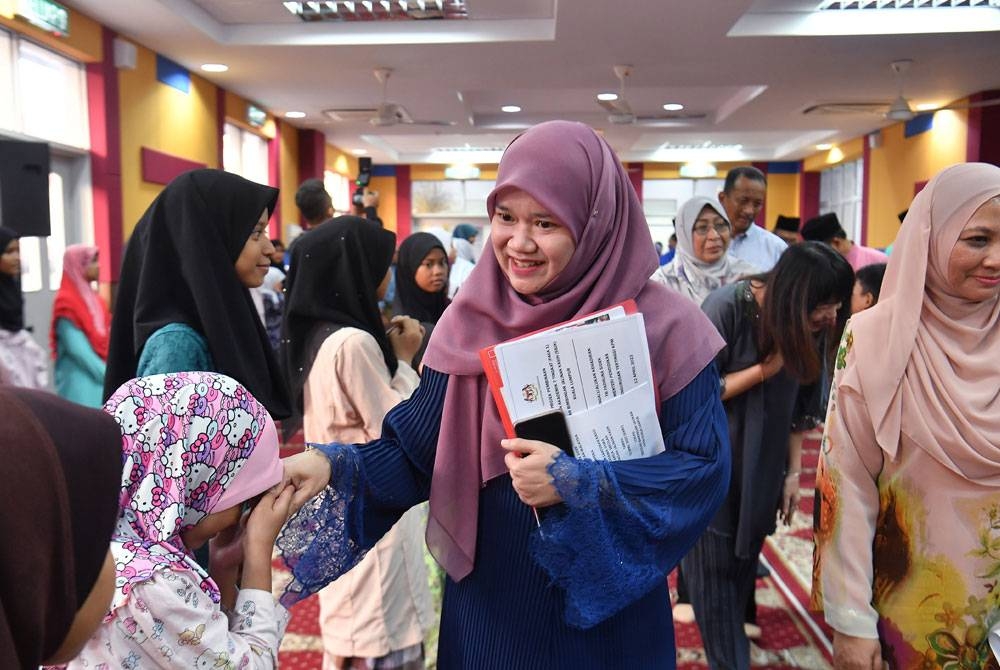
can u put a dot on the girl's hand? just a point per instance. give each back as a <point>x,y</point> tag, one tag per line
<point>856,653</point>
<point>528,462</point>
<point>307,473</point>
<point>266,520</point>
<point>790,497</point>
<point>771,365</point>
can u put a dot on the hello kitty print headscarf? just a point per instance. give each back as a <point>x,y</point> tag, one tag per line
<point>192,443</point>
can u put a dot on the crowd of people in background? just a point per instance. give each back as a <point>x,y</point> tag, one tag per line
<point>152,496</point>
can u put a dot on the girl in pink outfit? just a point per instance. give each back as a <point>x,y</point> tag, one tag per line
<point>198,449</point>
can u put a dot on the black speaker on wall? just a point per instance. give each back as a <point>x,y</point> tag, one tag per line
<point>24,187</point>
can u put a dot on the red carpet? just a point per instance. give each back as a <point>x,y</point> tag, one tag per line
<point>791,636</point>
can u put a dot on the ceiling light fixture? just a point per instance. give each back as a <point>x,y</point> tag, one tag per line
<point>510,109</point>
<point>698,170</point>
<point>607,97</point>
<point>295,115</point>
<point>673,107</point>
<point>359,152</point>
<point>824,147</point>
<point>214,67</point>
<point>461,171</point>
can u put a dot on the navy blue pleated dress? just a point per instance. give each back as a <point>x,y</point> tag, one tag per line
<point>585,590</point>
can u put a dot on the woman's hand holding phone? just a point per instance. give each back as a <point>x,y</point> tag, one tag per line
<point>528,462</point>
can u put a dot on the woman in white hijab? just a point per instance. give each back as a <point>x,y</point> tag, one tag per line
<point>701,263</point>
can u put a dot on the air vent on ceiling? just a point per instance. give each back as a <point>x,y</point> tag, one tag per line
<point>355,114</point>
<point>378,10</point>
<point>905,4</point>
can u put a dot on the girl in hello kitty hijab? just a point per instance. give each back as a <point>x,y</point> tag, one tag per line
<point>197,447</point>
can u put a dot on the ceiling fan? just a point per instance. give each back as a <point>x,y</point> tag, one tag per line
<point>899,109</point>
<point>386,114</point>
<point>620,111</point>
<point>392,113</point>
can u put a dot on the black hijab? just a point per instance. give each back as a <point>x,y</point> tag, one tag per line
<point>11,300</point>
<point>335,272</point>
<point>411,300</point>
<point>58,508</point>
<point>179,268</point>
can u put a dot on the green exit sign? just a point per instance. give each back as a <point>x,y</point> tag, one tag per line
<point>256,116</point>
<point>47,15</point>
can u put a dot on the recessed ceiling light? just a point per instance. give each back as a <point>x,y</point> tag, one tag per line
<point>510,109</point>
<point>823,147</point>
<point>214,67</point>
<point>926,107</point>
<point>607,97</point>
<point>673,107</point>
<point>294,115</point>
<point>359,152</point>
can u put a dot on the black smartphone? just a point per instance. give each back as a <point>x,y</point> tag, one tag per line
<point>549,427</point>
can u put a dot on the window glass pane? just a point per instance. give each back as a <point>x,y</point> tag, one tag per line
<point>52,94</point>
<point>31,264</point>
<point>56,241</point>
<point>8,119</point>
<point>339,188</point>
<point>232,149</point>
<point>254,157</point>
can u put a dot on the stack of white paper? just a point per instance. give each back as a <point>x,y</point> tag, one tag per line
<point>597,371</point>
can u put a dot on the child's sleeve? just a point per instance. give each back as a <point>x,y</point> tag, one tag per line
<point>170,621</point>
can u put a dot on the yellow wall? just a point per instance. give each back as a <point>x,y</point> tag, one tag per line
<point>340,162</point>
<point>288,164</point>
<point>782,197</point>
<point>386,187</point>
<point>83,42</point>
<point>160,117</point>
<point>844,152</point>
<point>900,162</point>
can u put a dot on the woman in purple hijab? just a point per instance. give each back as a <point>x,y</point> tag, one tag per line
<point>586,589</point>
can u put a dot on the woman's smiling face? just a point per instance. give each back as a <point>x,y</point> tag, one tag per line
<point>530,244</point>
<point>974,263</point>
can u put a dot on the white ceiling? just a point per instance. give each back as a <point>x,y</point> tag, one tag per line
<point>552,58</point>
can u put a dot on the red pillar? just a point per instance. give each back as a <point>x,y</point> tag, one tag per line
<point>404,207</point>
<point>761,219</point>
<point>105,158</point>
<point>636,173</point>
<point>808,195</point>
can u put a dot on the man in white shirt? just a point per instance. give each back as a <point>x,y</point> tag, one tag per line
<point>742,197</point>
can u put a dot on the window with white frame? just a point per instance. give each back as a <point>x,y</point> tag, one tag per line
<point>451,197</point>
<point>52,94</point>
<point>840,192</point>
<point>42,94</point>
<point>244,153</point>
<point>8,114</point>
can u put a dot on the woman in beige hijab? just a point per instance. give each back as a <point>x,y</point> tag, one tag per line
<point>908,532</point>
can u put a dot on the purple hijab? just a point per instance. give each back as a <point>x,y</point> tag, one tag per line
<point>572,171</point>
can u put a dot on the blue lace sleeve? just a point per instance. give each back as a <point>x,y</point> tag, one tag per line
<point>371,486</point>
<point>625,525</point>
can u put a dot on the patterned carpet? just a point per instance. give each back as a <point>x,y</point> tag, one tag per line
<point>792,637</point>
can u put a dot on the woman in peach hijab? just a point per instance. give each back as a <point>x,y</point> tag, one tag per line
<point>908,532</point>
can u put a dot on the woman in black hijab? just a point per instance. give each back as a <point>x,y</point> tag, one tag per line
<point>422,283</point>
<point>184,301</point>
<point>62,472</point>
<point>22,361</point>
<point>346,373</point>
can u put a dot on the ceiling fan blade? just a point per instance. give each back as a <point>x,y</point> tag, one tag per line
<point>879,108</point>
<point>430,122</point>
